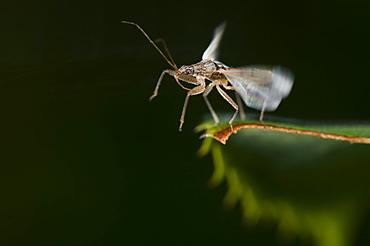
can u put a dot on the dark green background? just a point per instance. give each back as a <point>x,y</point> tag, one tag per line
<point>86,160</point>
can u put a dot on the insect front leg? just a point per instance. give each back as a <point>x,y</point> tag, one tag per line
<point>170,72</point>
<point>155,93</point>
<point>195,91</point>
<point>205,94</point>
<point>231,102</point>
<point>178,82</point>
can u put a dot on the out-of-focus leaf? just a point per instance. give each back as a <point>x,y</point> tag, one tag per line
<point>297,176</point>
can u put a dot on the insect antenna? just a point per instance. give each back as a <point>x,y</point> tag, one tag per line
<point>172,63</point>
<point>166,49</point>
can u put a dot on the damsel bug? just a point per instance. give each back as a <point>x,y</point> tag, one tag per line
<point>260,88</point>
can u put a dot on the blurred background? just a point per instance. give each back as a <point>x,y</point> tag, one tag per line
<point>87,160</point>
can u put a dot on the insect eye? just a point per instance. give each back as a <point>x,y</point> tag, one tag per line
<point>188,71</point>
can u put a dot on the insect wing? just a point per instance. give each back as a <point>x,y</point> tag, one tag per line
<point>212,50</point>
<point>261,89</point>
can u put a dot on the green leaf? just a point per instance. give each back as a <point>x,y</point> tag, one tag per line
<point>310,179</point>
<point>344,131</point>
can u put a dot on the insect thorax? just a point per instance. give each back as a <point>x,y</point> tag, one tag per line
<point>202,68</point>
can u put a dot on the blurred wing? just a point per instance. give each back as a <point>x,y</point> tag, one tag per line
<point>261,89</point>
<point>211,51</point>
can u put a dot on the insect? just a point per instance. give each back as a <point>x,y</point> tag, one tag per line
<point>260,88</point>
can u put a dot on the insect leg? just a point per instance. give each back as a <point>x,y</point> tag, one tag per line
<point>195,91</point>
<point>155,93</point>
<point>240,104</point>
<point>205,94</point>
<point>178,82</point>
<point>231,102</point>
<point>261,115</point>
<point>171,72</point>
<point>238,100</point>
<point>228,87</point>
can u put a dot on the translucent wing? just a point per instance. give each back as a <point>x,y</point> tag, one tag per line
<point>211,51</point>
<point>261,89</point>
